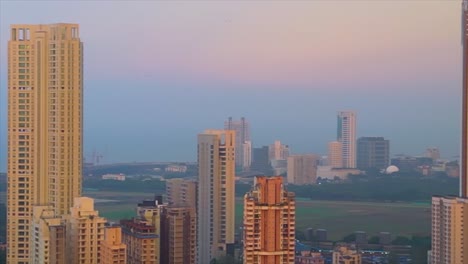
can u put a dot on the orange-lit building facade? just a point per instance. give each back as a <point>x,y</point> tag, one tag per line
<point>140,238</point>
<point>269,223</point>
<point>113,251</point>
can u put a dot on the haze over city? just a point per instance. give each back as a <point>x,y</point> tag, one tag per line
<point>158,73</point>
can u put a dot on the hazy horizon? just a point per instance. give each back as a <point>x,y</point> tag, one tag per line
<point>157,73</point>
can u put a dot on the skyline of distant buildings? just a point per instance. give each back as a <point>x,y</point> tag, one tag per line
<point>50,222</point>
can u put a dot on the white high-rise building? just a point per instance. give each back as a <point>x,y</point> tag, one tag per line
<point>347,137</point>
<point>216,194</point>
<point>242,128</point>
<point>278,151</point>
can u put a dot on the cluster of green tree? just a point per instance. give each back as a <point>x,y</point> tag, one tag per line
<point>129,185</point>
<point>385,188</point>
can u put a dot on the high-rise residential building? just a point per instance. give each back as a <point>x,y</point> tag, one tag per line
<point>85,232</point>
<point>347,137</point>
<point>449,239</point>
<point>242,128</point>
<point>278,151</point>
<point>45,80</point>
<point>216,190</point>
<point>153,212</point>
<point>302,169</point>
<point>269,223</point>
<point>373,152</point>
<point>140,238</point>
<point>182,236</point>
<point>48,233</point>
<point>113,251</point>
<point>173,191</point>
<point>335,156</point>
<point>146,235</point>
<point>247,156</point>
<point>181,192</point>
<point>449,233</point>
<point>346,255</point>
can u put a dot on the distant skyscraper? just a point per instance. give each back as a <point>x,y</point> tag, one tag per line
<point>260,161</point>
<point>216,193</point>
<point>347,137</point>
<point>269,223</point>
<point>302,169</point>
<point>450,214</point>
<point>335,156</point>
<point>45,80</point>
<point>373,152</point>
<point>242,128</point>
<point>278,151</point>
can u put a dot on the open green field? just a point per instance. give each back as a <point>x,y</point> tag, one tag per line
<point>340,218</point>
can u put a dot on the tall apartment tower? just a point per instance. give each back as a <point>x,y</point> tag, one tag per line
<point>85,232</point>
<point>302,169</point>
<point>181,192</point>
<point>242,128</point>
<point>216,189</point>
<point>45,80</point>
<point>347,137</point>
<point>373,152</point>
<point>269,223</point>
<point>335,156</point>
<point>182,238</point>
<point>449,233</point>
<point>278,151</point>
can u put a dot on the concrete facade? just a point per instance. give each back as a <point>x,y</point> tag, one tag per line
<point>269,223</point>
<point>44,126</point>
<point>216,190</point>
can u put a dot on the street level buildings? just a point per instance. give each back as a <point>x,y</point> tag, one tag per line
<point>373,152</point>
<point>45,80</point>
<point>216,190</point>
<point>346,255</point>
<point>347,137</point>
<point>269,223</point>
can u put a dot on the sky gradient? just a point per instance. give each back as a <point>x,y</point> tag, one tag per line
<point>159,72</point>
